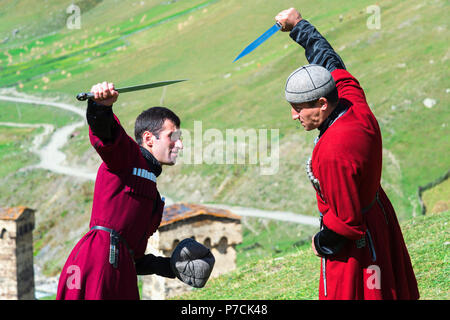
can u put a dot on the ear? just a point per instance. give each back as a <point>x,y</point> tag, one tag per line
<point>323,103</point>
<point>148,138</point>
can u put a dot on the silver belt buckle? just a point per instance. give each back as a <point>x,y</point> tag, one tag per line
<point>113,250</point>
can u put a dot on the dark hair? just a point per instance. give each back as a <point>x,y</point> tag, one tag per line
<point>153,120</point>
<point>332,98</point>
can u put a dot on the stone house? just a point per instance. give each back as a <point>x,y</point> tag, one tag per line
<point>16,254</point>
<point>218,229</point>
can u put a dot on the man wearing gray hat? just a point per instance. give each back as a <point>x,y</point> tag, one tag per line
<point>360,242</point>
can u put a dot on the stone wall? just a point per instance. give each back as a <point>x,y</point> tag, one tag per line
<point>8,261</point>
<point>16,256</point>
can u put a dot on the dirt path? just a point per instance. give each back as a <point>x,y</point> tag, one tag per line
<point>275,215</point>
<point>50,155</point>
<point>38,139</point>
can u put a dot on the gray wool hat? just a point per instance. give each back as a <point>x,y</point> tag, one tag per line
<point>308,83</point>
<point>192,262</point>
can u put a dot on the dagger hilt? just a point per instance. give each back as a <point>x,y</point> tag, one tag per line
<point>83,96</point>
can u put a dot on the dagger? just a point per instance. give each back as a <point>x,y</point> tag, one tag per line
<point>87,95</point>
<point>255,44</point>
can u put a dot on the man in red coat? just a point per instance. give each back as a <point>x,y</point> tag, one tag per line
<point>360,242</point>
<point>127,207</point>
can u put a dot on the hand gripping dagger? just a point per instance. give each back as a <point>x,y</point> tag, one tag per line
<point>86,95</point>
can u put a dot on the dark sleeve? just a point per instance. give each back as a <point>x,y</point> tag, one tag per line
<point>317,49</point>
<point>101,120</point>
<point>150,264</point>
<point>328,242</point>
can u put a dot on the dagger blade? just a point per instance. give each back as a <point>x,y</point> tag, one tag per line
<point>86,95</point>
<point>255,44</point>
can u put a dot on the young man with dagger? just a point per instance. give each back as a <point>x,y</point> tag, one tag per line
<point>360,242</point>
<point>127,207</point>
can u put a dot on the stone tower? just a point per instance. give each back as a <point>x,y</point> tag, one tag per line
<point>218,229</point>
<point>16,254</point>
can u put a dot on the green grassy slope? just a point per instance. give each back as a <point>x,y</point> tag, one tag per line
<point>296,275</point>
<point>130,42</point>
<point>11,150</point>
<point>33,113</point>
<point>437,199</point>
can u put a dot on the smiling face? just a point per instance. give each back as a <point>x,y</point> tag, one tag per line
<point>311,114</point>
<point>165,146</point>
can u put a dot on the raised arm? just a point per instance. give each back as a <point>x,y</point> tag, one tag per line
<point>317,49</point>
<point>101,121</point>
<point>106,134</point>
<point>99,112</point>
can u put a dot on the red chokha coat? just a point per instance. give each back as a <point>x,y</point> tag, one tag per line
<point>347,161</point>
<point>126,200</point>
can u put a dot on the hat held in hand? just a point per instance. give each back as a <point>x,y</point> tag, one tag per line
<point>192,262</point>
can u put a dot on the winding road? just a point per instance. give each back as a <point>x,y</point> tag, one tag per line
<point>51,157</point>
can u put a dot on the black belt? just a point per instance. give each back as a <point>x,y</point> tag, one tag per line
<point>366,209</point>
<point>376,199</point>
<point>114,238</point>
<point>360,243</point>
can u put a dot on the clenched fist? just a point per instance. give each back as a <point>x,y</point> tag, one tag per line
<point>288,19</point>
<point>104,93</point>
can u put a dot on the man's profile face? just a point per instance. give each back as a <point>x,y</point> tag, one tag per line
<point>308,115</point>
<point>165,148</point>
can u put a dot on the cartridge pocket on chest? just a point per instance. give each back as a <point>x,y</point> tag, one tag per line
<point>141,183</point>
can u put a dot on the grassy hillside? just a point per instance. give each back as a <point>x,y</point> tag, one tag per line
<point>130,42</point>
<point>296,275</point>
<point>12,151</point>
<point>437,198</point>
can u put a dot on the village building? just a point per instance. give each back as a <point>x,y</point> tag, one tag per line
<point>218,229</point>
<point>16,253</point>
